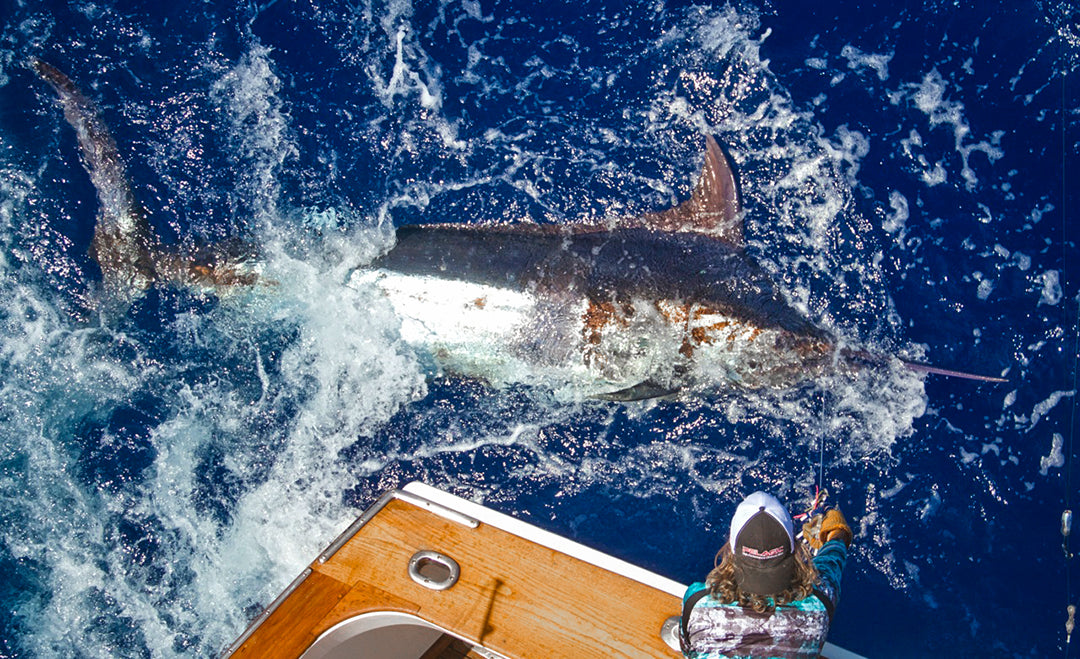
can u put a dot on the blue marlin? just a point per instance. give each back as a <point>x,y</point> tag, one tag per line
<point>630,309</point>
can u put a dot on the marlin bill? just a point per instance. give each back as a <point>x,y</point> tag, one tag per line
<point>630,309</point>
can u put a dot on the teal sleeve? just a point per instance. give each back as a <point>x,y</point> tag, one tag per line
<point>829,562</point>
<point>691,589</point>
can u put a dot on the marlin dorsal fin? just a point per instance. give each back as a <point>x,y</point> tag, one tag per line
<point>713,208</point>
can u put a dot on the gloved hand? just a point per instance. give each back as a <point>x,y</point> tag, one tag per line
<point>835,527</point>
<point>820,529</point>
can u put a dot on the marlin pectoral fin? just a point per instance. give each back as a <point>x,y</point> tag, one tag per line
<point>640,391</point>
<point>925,368</point>
<point>713,208</point>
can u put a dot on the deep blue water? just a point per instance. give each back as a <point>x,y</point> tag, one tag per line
<point>909,176</point>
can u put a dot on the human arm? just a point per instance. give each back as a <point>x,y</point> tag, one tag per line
<point>830,561</point>
<point>833,539</point>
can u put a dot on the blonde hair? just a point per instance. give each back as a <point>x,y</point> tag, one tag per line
<point>723,587</point>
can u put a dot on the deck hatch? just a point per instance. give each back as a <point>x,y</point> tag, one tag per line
<point>433,570</point>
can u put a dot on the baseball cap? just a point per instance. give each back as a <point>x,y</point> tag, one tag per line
<point>763,545</point>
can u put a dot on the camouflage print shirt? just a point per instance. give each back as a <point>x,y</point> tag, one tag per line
<point>720,630</point>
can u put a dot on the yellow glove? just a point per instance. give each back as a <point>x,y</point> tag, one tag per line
<point>834,527</point>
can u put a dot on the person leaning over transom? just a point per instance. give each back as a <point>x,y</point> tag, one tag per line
<point>768,596</point>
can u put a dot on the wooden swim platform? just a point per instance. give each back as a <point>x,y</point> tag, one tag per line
<point>519,591</point>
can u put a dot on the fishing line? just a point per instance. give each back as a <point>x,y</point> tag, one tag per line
<point>821,456</point>
<point>809,520</point>
<point>820,493</point>
<point>823,425</point>
<point>1066,514</point>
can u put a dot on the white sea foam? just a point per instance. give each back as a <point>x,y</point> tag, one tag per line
<point>258,126</point>
<point>930,96</point>
<point>857,59</point>
<point>1056,457</point>
<point>894,221</point>
<point>1051,287</point>
<point>1043,407</point>
<point>985,287</point>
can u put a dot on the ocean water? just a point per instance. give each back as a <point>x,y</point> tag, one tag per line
<point>909,176</point>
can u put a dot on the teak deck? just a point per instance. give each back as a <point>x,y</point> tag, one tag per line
<point>514,596</point>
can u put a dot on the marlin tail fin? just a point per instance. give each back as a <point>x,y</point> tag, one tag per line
<point>124,244</point>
